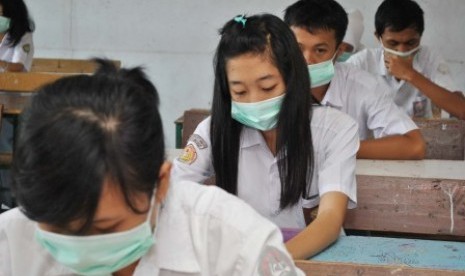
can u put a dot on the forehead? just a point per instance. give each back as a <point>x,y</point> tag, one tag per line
<point>315,36</point>
<point>250,66</point>
<point>401,36</point>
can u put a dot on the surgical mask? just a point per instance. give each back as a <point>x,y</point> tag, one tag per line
<point>321,73</point>
<point>261,115</point>
<point>344,57</point>
<point>401,54</point>
<point>4,24</point>
<point>100,254</point>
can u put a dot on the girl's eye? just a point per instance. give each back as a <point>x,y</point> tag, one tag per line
<point>239,93</point>
<point>268,89</point>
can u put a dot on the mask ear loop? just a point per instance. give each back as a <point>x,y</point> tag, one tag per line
<point>154,216</point>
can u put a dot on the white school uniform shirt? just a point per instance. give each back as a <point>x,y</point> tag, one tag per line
<point>335,143</point>
<point>368,101</point>
<point>201,231</point>
<point>22,53</point>
<point>406,96</point>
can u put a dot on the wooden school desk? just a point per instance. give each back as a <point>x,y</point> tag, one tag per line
<point>404,199</point>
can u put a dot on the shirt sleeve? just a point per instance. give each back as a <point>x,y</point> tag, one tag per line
<point>245,243</point>
<point>195,163</point>
<point>384,117</point>
<point>24,52</point>
<point>337,171</point>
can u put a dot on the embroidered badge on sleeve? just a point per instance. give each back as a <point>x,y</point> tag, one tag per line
<point>274,262</point>
<point>27,48</point>
<point>189,155</point>
<point>198,141</point>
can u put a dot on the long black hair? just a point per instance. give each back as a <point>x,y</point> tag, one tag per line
<point>264,35</point>
<point>80,131</point>
<point>20,22</point>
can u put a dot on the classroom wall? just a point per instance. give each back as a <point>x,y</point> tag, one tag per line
<point>175,39</point>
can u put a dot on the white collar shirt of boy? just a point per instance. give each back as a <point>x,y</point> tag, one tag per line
<point>427,62</point>
<point>368,101</point>
<point>335,144</point>
<point>21,53</point>
<point>202,231</point>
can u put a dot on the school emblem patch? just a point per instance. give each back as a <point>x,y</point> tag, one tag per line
<point>275,263</point>
<point>198,141</point>
<point>189,155</point>
<point>27,48</point>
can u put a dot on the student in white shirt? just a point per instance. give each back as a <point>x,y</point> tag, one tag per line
<point>267,143</point>
<point>419,76</point>
<point>96,198</point>
<point>319,26</point>
<point>16,52</point>
<point>351,43</point>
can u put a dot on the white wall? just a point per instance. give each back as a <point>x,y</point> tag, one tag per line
<point>175,39</point>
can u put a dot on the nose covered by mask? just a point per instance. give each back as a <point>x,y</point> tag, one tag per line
<point>4,24</point>
<point>100,254</point>
<point>321,73</point>
<point>261,115</point>
<point>401,54</point>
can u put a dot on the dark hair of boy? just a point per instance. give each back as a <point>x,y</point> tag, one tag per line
<point>315,15</point>
<point>399,15</point>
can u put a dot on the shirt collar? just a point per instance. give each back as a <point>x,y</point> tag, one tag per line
<point>333,95</point>
<point>250,137</point>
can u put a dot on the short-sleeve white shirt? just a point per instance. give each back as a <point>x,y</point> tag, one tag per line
<point>22,53</point>
<point>335,143</point>
<point>201,231</point>
<point>406,96</point>
<point>368,101</point>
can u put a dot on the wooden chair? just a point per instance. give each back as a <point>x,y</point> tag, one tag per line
<point>17,88</point>
<point>58,65</point>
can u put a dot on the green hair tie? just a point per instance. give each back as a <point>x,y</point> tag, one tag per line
<point>241,19</point>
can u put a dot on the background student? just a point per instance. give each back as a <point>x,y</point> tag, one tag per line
<point>419,76</point>
<point>319,26</point>
<point>96,198</point>
<point>266,143</point>
<point>351,43</point>
<point>16,52</point>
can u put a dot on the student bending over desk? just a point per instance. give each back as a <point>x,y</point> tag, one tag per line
<point>95,194</point>
<point>267,143</point>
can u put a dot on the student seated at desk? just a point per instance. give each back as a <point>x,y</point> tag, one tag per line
<point>266,143</point>
<point>319,26</point>
<point>351,43</point>
<point>96,198</point>
<point>16,52</point>
<point>418,76</point>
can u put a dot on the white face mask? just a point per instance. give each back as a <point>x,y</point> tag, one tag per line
<point>401,54</point>
<point>100,254</point>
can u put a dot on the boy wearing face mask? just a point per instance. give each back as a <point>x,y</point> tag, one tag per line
<point>418,76</point>
<point>320,26</point>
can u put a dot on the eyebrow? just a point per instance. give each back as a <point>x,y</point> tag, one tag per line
<point>266,77</point>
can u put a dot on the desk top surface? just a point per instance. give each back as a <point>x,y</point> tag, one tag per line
<point>396,251</point>
<point>442,169</point>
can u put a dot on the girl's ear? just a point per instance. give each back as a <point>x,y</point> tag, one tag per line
<point>163,181</point>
